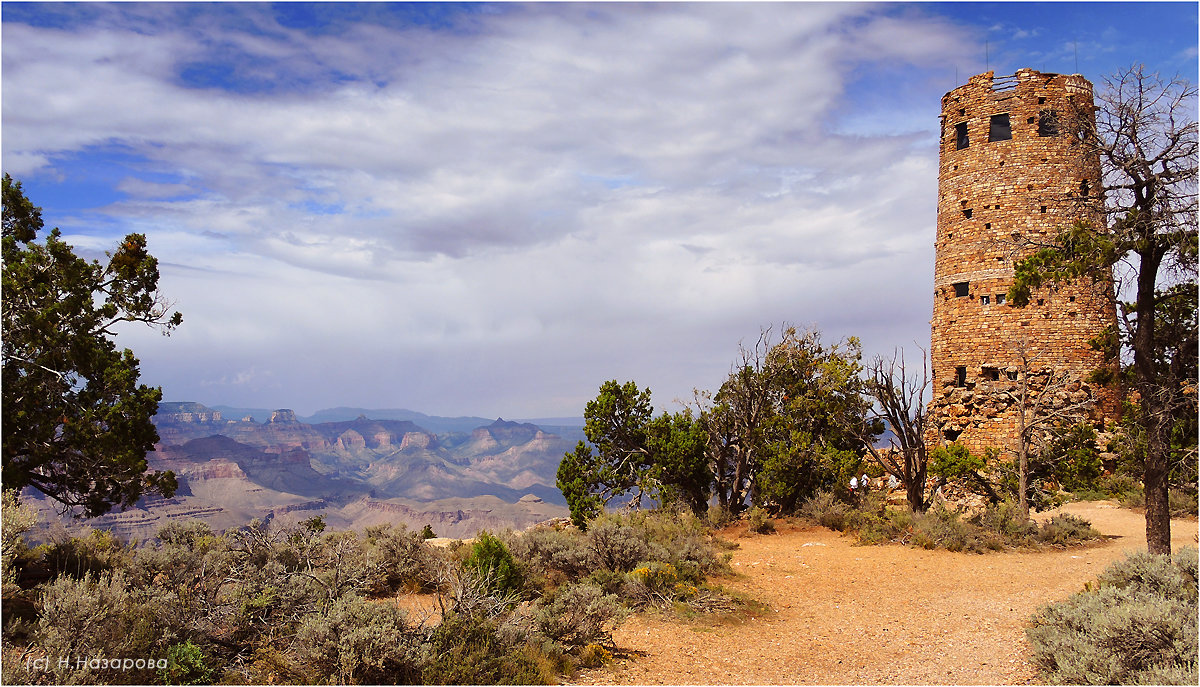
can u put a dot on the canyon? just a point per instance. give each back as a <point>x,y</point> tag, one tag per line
<point>353,472</point>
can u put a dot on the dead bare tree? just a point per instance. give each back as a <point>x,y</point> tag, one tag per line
<point>1044,400</point>
<point>1144,139</point>
<point>899,403</point>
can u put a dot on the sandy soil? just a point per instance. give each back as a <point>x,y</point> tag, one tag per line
<point>846,614</point>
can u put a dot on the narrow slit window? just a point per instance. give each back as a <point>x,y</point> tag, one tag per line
<point>960,136</point>
<point>962,289</point>
<point>968,212</point>
<point>960,375</point>
<point>1000,129</point>
<point>1012,375</point>
<point>985,299</point>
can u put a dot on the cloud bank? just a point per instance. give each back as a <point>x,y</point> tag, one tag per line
<point>493,211</point>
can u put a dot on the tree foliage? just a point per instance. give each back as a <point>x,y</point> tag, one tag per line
<point>1144,139</point>
<point>76,422</point>
<point>788,421</point>
<point>631,453</point>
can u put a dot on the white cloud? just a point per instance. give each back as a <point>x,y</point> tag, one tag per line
<point>493,218</point>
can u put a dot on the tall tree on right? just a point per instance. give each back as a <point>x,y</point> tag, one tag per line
<point>1145,138</point>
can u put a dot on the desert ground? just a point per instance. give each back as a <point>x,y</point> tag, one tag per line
<point>847,614</point>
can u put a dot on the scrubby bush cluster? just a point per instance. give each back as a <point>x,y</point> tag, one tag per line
<point>299,604</point>
<point>1136,625</point>
<point>643,558</point>
<point>997,527</point>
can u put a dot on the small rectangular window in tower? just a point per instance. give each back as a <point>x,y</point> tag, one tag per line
<point>962,289</point>
<point>960,375</point>
<point>968,212</point>
<point>985,299</point>
<point>991,373</point>
<point>1012,375</point>
<point>1042,209</point>
<point>988,225</point>
<point>1000,129</point>
<point>1048,123</point>
<point>960,135</point>
<point>999,299</point>
<point>1084,188</point>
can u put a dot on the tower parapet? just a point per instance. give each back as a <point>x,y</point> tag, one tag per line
<point>1011,177</point>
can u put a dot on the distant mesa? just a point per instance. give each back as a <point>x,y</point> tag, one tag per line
<point>353,467</point>
<point>283,416</point>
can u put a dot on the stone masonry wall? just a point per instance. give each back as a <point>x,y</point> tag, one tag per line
<point>994,196</point>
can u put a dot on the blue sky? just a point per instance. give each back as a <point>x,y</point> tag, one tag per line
<point>490,209</point>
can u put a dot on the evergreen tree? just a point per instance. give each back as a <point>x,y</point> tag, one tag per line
<point>76,422</point>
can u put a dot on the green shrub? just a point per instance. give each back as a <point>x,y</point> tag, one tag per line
<point>554,555</point>
<point>579,614</point>
<point>494,564</point>
<point>718,516</point>
<point>399,558</point>
<point>15,520</point>
<point>466,651</point>
<point>827,510</point>
<point>616,546</point>
<point>358,642</point>
<point>1064,529</point>
<point>97,617</point>
<point>94,552</point>
<point>620,542</point>
<point>1073,458</point>
<point>941,528</point>
<point>760,521</point>
<point>1137,626</point>
<point>1006,520</point>
<point>1118,485</point>
<point>185,666</point>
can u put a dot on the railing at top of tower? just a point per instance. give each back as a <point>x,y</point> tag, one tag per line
<point>1004,83</point>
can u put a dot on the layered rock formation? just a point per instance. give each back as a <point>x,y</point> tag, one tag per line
<point>354,473</point>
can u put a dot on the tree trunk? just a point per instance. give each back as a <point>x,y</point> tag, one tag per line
<point>1155,420</point>
<point>1023,438</point>
<point>916,495</point>
<point>1155,477</point>
<point>1158,510</point>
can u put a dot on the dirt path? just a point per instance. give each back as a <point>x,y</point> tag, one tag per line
<point>845,614</point>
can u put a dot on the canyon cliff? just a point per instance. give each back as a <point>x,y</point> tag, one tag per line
<point>354,473</point>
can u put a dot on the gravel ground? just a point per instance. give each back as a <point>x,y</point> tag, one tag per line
<point>846,614</point>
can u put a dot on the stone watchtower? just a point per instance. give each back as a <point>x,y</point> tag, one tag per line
<point>1010,176</point>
